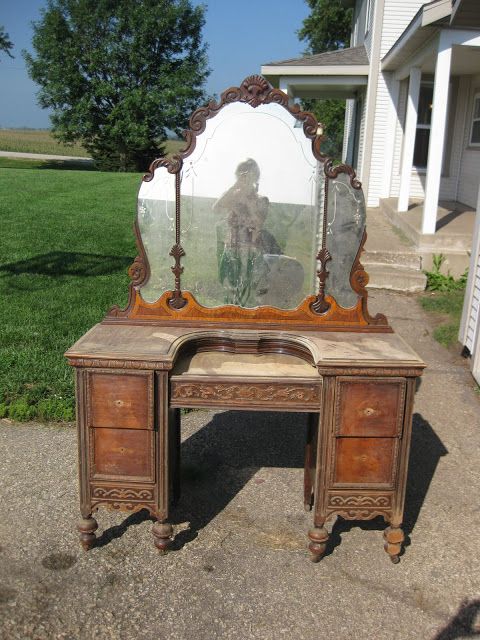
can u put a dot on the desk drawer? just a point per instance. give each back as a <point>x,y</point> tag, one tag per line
<point>120,400</point>
<point>117,454</point>
<point>369,407</point>
<point>365,461</point>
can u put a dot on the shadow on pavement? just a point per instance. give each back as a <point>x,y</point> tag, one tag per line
<point>425,453</point>
<point>464,623</point>
<point>219,460</point>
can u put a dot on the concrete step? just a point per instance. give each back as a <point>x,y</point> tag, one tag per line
<point>408,259</point>
<point>395,278</point>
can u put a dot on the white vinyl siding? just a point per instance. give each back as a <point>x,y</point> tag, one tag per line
<point>475,126</point>
<point>396,17</point>
<point>469,176</point>
<point>361,136</point>
<point>348,128</point>
<point>358,33</point>
<point>474,315</point>
<point>454,144</point>
<point>469,334</point>
<point>369,17</point>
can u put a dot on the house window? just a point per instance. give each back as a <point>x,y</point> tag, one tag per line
<point>368,16</point>
<point>424,121</point>
<point>475,130</point>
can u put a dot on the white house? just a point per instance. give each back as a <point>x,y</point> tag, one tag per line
<point>411,79</point>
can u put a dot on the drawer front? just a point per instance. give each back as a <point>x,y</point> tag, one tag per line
<point>119,400</point>
<point>363,461</point>
<point>369,407</point>
<point>122,453</point>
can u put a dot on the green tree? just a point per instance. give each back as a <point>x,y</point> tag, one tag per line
<point>327,28</point>
<point>5,44</point>
<point>118,74</point>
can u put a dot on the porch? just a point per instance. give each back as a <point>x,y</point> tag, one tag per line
<point>452,236</point>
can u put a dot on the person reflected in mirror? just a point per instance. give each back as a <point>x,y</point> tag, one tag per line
<point>246,211</point>
<point>251,263</point>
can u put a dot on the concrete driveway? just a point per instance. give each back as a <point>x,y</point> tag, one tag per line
<point>240,569</point>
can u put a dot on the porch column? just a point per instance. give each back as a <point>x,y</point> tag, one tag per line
<point>284,86</point>
<point>409,137</point>
<point>437,134</point>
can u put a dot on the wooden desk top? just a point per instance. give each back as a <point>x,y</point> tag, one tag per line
<point>157,347</point>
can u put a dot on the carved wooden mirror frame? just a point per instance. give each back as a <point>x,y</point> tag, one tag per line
<point>315,312</point>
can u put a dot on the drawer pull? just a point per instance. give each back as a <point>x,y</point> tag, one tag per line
<point>369,411</point>
<point>119,403</point>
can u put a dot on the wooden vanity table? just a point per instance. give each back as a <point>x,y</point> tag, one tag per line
<point>264,308</point>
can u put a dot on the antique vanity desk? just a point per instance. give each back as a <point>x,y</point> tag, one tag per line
<point>248,293</point>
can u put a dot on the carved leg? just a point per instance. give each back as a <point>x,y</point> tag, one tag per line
<point>394,537</point>
<point>162,536</point>
<point>318,542</point>
<point>87,528</point>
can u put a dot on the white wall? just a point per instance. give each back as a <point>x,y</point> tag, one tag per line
<point>469,177</point>
<point>397,15</point>
<point>348,129</point>
<point>460,89</point>
<point>368,26</point>
<point>469,334</point>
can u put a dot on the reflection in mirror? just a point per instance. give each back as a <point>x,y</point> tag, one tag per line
<point>251,200</point>
<point>156,221</point>
<point>345,226</point>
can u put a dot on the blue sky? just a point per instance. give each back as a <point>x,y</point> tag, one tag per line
<point>241,36</point>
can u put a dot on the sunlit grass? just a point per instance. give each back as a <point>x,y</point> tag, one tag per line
<point>65,247</point>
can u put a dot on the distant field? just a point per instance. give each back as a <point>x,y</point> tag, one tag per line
<point>36,141</point>
<point>42,141</point>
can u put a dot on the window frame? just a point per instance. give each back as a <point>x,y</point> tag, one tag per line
<point>422,168</point>
<point>368,13</point>
<point>473,119</point>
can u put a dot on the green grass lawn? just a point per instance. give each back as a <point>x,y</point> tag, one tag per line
<point>65,247</point>
<point>446,307</point>
<point>42,141</point>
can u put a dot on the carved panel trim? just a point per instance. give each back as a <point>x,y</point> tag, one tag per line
<point>359,506</point>
<point>407,372</point>
<point>125,506</point>
<point>246,393</point>
<point>123,493</point>
<point>336,318</point>
<point>96,363</point>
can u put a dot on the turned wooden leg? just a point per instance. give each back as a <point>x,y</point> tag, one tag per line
<point>87,528</point>
<point>318,542</point>
<point>394,537</point>
<point>162,536</point>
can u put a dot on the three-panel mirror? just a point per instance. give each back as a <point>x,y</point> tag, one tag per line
<point>252,200</point>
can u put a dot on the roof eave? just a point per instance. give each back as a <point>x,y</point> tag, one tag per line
<point>315,70</point>
<point>429,18</point>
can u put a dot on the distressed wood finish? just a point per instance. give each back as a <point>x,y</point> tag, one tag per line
<point>120,401</point>
<point>238,394</point>
<point>346,369</point>
<point>369,407</point>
